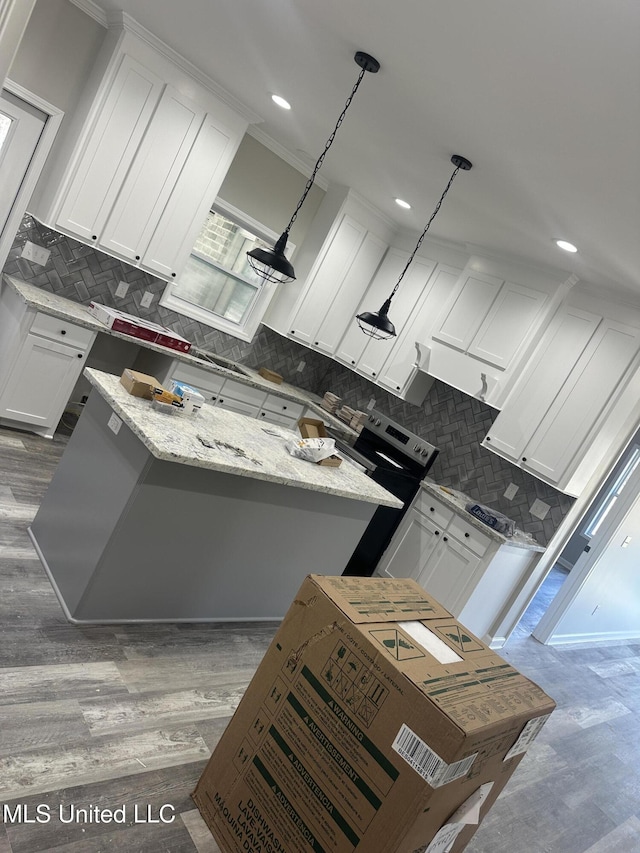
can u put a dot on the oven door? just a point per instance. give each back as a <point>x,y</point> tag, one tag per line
<point>403,483</point>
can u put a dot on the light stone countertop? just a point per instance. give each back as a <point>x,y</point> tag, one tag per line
<point>75,312</point>
<point>457,500</point>
<point>253,448</point>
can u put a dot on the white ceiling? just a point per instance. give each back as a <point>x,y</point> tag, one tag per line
<point>543,96</point>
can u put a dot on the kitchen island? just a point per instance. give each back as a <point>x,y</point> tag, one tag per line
<point>159,517</point>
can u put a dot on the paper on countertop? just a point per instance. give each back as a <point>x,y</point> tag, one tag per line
<point>468,813</point>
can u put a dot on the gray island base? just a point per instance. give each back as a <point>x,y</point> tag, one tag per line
<point>128,537</point>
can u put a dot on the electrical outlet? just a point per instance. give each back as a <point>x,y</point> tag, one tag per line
<point>301,366</point>
<point>122,288</point>
<point>371,404</point>
<point>511,491</point>
<point>147,299</point>
<point>539,508</point>
<point>35,253</point>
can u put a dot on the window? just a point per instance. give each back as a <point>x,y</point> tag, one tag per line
<point>608,502</point>
<point>217,286</point>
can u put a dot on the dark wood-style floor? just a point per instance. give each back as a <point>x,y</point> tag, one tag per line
<point>126,715</point>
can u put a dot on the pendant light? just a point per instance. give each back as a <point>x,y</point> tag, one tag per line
<point>272,264</point>
<point>377,324</point>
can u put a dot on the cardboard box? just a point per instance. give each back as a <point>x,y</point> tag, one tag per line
<point>331,462</point>
<point>270,375</point>
<point>139,384</point>
<point>311,428</point>
<point>137,327</point>
<point>373,718</point>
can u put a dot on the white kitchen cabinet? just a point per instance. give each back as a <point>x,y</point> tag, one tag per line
<point>279,410</point>
<point>143,159</point>
<point>489,326</point>
<point>342,271</point>
<point>41,359</point>
<point>472,574</point>
<point>571,396</point>
<point>399,373</point>
<point>391,363</point>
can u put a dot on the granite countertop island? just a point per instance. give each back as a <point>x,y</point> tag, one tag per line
<point>241,445</point>
<point>78,313</point>
<point>143,522</point>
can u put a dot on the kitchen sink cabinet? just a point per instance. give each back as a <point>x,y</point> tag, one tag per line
<point>41,358</point>
<point>143,159</point>
<point>573,396</point>
<point>473,575</point>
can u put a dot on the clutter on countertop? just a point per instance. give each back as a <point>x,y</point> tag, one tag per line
<point>330,402</point>
<point>137,327</point>
<point>321,451</point>
<point>270,375</point>
<point>139,384</point>
<point>492,518</point>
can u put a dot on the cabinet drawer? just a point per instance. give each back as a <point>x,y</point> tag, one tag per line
<point>469,535</point>
<point>61,330</point>
<point>243,393</point>
<point>277,418</point>
<point>280,405</point>
<point>205,381</point>
<point>433,509</point>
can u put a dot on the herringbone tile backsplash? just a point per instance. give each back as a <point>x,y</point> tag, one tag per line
<point>449,419</point>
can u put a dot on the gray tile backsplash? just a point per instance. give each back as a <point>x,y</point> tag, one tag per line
<point>449,419</point>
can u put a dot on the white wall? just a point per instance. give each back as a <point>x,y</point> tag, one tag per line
<point>57,52</point>
<point>14,15</point>
<point>267,188</point>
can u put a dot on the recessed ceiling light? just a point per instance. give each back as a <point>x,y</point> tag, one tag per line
<point>568,247</point>
<point>404,204</point>
<point>281,102</point>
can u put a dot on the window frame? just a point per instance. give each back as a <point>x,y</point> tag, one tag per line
<point>265,290</point>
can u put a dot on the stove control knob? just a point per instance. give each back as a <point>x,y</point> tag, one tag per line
<point>424,452</point>
<point>378,422</point>
<point>416,448</point>
<point>371,418</point>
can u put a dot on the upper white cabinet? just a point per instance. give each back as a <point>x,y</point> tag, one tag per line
<point>417,302</point>
<point>574,394</point>
<point>142,160</point>
<point>488,325</point>
<point>348,259</point>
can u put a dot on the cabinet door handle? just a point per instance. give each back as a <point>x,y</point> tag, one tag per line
<point>63,331</point>
<point>173,275</point>
<point>437,533</point>
<point>432,509</point>
<point>95,237</point>
<point>80,355</point>
<point>524,458</point>
<point>466,535</point>
<point>488,438</point>
<point>137,257</point>
<point>445,538</point>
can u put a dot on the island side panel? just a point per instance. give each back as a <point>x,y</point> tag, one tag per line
<point>90,489</point>
<point>202,545</point>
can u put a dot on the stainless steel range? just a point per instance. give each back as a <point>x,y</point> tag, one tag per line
<point>398,460</point>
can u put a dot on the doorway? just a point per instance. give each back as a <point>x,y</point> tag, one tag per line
<point>28,126</point>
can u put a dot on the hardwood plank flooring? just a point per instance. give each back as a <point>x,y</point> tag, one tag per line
<point>127,715</point>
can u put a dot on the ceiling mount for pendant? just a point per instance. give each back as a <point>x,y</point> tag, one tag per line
<point>376,324</point>
<point>272,264</point>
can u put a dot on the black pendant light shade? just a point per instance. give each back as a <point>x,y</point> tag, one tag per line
<point>272,264</point>
<point>378,325</point>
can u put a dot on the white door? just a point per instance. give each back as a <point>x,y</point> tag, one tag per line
<point>600,600</point>
<point>21,126</point>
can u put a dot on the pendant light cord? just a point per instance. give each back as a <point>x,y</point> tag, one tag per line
<point>422,236</point>
<point>327,146</point>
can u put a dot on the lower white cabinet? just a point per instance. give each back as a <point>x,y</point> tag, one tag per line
<point>473,575</point>
<point>238,396</point>
<point>41,360</point>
